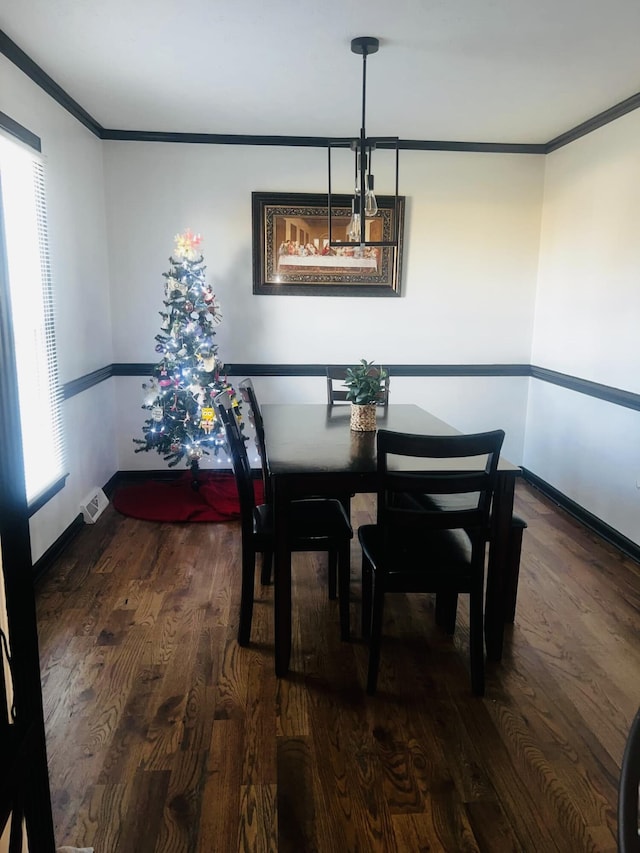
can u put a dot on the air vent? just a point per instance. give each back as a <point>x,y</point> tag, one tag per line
<point>94,505</point>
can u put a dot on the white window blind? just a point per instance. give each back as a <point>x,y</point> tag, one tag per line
<point>22,186</point>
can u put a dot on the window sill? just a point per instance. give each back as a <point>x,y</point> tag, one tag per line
<point>39,501</point>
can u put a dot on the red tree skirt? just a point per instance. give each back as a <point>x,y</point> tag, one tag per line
<point>177,500</point>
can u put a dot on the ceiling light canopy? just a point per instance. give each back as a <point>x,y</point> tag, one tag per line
<point>364,204</point>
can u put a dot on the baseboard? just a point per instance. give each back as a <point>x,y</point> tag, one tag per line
<point>130,477</point>
<point>163,474</point>
<point>41,566</point>
<point>590,521</point>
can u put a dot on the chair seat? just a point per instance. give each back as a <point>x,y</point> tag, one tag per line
<point>310,519</point>
<point>436,560</point>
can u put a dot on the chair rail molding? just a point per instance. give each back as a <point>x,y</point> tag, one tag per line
<point>608,393</point>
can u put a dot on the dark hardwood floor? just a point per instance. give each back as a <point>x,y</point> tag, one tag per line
<point>164,735</point>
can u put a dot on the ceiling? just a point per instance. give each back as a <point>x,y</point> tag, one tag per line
<point>497,71</point>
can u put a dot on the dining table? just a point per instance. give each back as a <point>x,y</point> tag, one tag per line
<point>311,450</point>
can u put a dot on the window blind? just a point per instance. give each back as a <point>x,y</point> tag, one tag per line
<point>22,194</point>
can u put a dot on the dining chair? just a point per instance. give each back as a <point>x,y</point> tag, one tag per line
<point>628,822</point>
<point>337,392</point>
<point>415,547</point>
<point>316,525</point>
<point>248,393</point>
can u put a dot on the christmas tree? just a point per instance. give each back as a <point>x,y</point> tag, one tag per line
<point>183,423</point>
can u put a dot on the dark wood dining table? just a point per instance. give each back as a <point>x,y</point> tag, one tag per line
<point>312,451</point>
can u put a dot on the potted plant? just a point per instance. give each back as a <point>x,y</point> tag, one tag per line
<point>365,384</point>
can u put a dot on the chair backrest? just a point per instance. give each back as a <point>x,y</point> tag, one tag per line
<point>458,465</point>
<point>628,829</point>
<point>337,393</point>
<point>226,411</point>
<point>248,393</point>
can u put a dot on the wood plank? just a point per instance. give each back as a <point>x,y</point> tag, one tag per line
<point>164,735</point>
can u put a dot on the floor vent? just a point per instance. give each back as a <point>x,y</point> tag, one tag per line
<point>94,505</point>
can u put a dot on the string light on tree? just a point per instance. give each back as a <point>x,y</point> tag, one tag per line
<point>189,374</point>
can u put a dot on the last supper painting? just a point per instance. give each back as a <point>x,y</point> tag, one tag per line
<point>296,252</point>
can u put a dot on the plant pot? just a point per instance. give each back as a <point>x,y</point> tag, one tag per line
<point>362,448</point>
<point>363,417</point>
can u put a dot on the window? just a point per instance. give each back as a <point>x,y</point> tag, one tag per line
<point>22,197</point>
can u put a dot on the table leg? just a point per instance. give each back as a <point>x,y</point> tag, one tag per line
<point>494,613</point>
<point>281,583</point>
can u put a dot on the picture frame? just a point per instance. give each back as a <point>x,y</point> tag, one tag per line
<point>292,256</point>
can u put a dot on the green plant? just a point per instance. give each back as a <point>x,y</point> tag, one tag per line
<point>365,382</point>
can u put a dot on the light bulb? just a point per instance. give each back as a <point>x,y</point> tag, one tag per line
<point>370,204</point>
<point>353,229</point>
<point>370,201</point>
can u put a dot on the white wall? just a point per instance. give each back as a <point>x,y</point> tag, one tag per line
<point>472,249</point>
<point>77,234</point>
<point>470,266</point>
<point>586,323</point>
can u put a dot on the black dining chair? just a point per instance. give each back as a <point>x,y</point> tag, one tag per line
<point>415,547</point>
<point>337,392</point>
<point>628,823</point>
<point>315,524</point>
<point>248,393</point>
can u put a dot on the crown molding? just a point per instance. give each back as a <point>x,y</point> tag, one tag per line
<point>20,59</point>
<point>605,117</point>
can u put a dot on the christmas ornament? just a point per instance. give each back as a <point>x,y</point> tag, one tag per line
<point>214,310</point>
<point>207,418</point>
<point>187,245</point>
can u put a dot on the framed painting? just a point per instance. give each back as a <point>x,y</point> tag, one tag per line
<point>292,255</point>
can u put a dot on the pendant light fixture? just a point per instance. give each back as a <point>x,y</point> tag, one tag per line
<point>364,204</point>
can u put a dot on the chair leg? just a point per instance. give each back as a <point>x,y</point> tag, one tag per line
<point>246,595</point>
<point>376,632</point>
<point>367,582</point>
<point>344,582</point>
<point>332,572</point>
<point>267,567</point>
<point>513,571</point>
<point>446,608</point>
<point>476,640</point>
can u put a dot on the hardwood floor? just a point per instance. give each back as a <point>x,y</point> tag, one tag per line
<point>164,735</point>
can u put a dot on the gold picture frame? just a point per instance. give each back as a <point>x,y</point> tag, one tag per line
<point>292,256</point>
